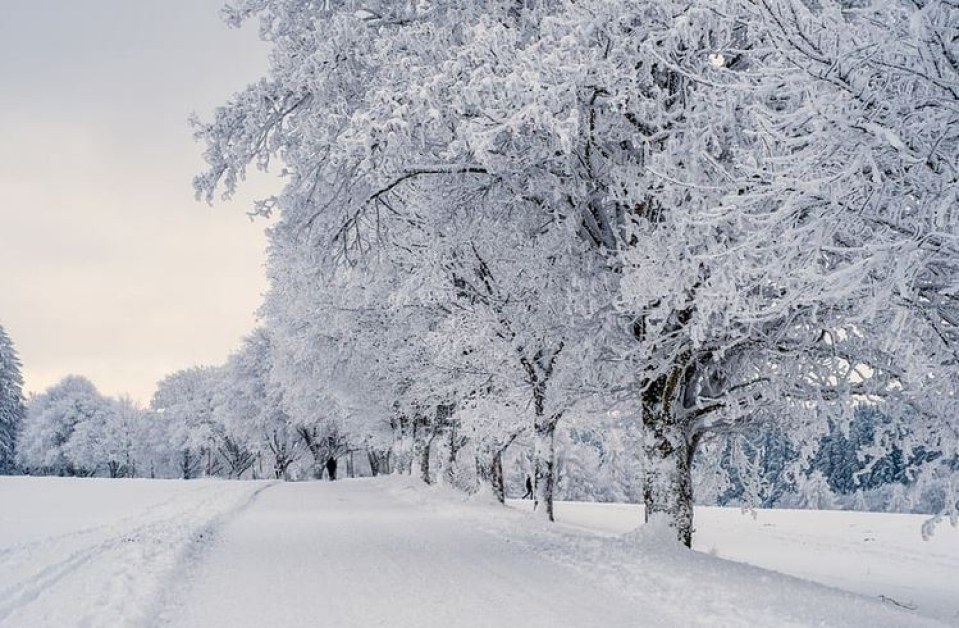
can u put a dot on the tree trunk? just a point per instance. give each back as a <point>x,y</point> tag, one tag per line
<point>544,461</point>
<point>188,465</point>
<point>496,480</point>
<point>379,461</point>
<point>425,464</point>
<point>281,461</point>
<point>668,482</point>
<point>403,455</point>
<point>318,461</point>
<point>450,471</point>
<point>489,470</point>
<point>422,454</point>
<point>281,468</point>
<point>316,450</point>
<point>539,370</point>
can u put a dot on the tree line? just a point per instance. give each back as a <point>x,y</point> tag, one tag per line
<point>679,223</point>
<point>689,219</point>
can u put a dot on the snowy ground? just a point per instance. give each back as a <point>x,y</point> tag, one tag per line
<point>100,552</point>
<point>882,556</point>
<point>388,552</point>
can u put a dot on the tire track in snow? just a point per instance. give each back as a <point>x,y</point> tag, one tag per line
<point>22,549</point>
<point>189,561</point>
<point>118,569</point>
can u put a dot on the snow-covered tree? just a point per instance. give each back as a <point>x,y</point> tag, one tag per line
<point>12,404</point>
<point>251,407</point>
<point>887,80</point>
<point>109,440</point>
<point>154,453</point>
<point>724,214</point>
<point>62,427</point>
<point>184,402</point>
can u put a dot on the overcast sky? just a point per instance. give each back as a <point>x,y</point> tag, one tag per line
<point>108,267</point>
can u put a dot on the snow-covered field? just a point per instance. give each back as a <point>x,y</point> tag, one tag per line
<point>390,552</point>
<point>99,552</point>
<point>878,555</point>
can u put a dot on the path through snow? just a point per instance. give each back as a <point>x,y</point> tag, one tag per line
<point>352,554</point>
<point>375,552</point>
<point>391,552</point>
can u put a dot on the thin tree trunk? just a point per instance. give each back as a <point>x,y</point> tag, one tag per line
<point>496,480</point>
<point>544,466</point>
<point>403,456</point>
<point>489,471</point>
<point>316,450</point>
<point>281,460</point>
<point>422,455</point>
<point>188,465</point>
<point>450,471</point>
<point>425,464</point>
<point>374,462</point>
<point>539,370</point>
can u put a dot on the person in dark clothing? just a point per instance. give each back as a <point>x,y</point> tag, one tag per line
<point>529,488</point>
<point>331,468</point>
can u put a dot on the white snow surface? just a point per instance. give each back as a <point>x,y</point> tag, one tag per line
<point>391,552</point>
<point>878,555</point>
<point>98,552</point>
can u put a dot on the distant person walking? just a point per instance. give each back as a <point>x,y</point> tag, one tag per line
<point>529,488</point>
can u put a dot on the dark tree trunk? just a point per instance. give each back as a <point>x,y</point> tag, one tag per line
<point>374,462</point>
<point>668,449</point>
<point>282,458</point>
<point>668,485</point>
<point>455,444</point>
<point>489,470</point>
<point>496,480</point>
<point>423,458</point>
<point>313,443</point>
<point>539,370</point>
<point>189,465</point>
<point>331,465</point>
<point>544,466</point>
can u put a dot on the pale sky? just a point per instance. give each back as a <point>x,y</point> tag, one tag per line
<point>108,267</point>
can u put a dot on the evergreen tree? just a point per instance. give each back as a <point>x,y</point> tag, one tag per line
<point>11,402</point>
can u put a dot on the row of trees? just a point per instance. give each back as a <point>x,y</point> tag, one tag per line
<point>204,421</point>
<point>685,219</point>
<point>228,421</point>
<point>225,422</point>
<point>677,225</point>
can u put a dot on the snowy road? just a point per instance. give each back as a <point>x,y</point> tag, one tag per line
<point>352,554</point>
